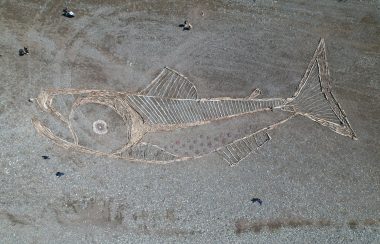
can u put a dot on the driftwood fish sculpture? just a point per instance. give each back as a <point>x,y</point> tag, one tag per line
<point>170,103</point>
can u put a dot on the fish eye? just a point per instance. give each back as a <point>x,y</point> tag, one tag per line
<point>100,127</point>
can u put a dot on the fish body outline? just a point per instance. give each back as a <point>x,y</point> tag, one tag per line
<point>171,102</point>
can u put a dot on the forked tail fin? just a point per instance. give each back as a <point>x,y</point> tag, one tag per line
<point>313,98</point>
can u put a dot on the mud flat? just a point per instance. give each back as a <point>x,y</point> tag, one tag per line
<point>316,185</point>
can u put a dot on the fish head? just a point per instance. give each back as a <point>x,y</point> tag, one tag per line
<point>92,121</point>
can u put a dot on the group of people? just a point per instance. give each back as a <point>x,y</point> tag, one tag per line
<point>186,25</point>
<point>23,52</point>
<point>66,13</point>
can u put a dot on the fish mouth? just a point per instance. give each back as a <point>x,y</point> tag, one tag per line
<point>53,123</point>
<point>91,121</point>
<point>46,131</point>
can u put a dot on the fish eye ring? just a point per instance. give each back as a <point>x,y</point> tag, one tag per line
<point>100,127</point>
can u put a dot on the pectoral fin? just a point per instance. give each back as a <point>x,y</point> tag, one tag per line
<point>171,84</point>
<point>148,152</point>
<point>237,150</point>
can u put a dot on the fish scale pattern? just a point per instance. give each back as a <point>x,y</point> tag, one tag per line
<point>158,110</point>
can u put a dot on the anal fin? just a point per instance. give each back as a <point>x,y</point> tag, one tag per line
<point>239,149</point>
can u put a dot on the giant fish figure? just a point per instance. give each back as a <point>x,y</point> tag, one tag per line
<point>170,103</point>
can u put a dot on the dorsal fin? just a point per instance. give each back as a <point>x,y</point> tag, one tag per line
<point>257,92</point>
<point>171,84</point>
